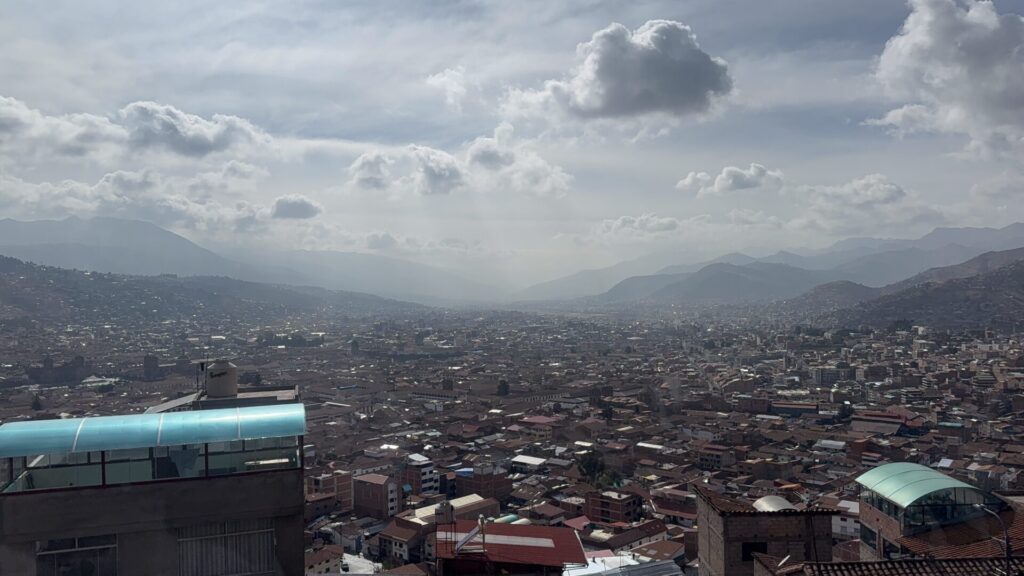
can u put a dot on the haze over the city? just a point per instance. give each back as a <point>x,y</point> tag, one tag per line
<point>514,143</point>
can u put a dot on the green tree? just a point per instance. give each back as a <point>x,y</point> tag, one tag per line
<point>37,403</point>
<point>503,388</point>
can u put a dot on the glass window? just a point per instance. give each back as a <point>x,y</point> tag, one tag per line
<point>233,446</point>
<point>92,555</point>
<point>128,471</point>
<point>181,462</point>
<point>868,536</point>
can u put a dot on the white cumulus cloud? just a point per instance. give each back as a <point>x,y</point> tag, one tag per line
<point>657,69</point>
<point>959,68</point>
<point>731,179</point>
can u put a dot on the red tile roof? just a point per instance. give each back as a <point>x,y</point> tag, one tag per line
<point>513,544</point>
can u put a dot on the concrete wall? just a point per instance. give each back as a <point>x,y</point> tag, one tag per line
<point>887,527</point>
<point>721,538</point>
<point>146,518</point>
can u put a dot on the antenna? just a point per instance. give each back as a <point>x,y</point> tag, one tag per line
<point>784,560</point>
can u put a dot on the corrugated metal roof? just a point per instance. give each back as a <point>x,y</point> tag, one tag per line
<point>903,483</point>
<point>150,430</point>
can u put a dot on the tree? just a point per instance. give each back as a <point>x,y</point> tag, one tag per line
<point>503,388</point>
<point>37,403</point>
<point>591,465</point>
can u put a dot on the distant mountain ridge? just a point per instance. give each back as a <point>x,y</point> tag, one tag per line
<point>992,298</point>
<point>47,294</point>
<point>893,261</point>
<point>729,283</point>
<point>845,298</point>
<point>134,247</point>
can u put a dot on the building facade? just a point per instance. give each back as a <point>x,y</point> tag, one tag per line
<point>376,496</point>
<point>732,533</point>
<point>162,495</point>
<point>612,506</point>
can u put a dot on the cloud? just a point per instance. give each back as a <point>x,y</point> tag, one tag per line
<point>233,177</point>
<point>370,170</point>
<point>493,153</point>
<point>1005,187</point>
<point>295,207</point>
<point>648,224</point>
<point>499,163</point>
<point>162,126</point>
<point>452,81</point>
<point>436,172</point>
<point>959,68</point>
<point>381,241</point>
<point>731,179</point>
<point>657,69</point>
<point>142,195</point>
<point>27,132</point>
<point>871,203</point>
<point>647,228</point>
<point>748,217</point>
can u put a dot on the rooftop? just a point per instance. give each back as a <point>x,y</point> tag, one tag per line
<point>514,544</point>
<point>904,483</point>
<point>102,433</point>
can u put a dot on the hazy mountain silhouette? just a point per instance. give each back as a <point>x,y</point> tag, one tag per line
<point>729,283</point>
<point>992,298</point>
<point>139,248</point>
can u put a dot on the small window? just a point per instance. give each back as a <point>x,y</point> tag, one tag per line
<point>751,548</point>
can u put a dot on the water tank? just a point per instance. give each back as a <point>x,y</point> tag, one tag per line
<point>773,504</point>
<point>221,379</point>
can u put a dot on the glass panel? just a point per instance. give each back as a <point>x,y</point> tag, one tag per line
<point>181,462</point>
<point>96,562</point>
<point>129,471</point>
<point>59,476</point>
<point>130,454</point>
<point>38,461</point>
<point>51,545</point>
<point>236,462</point>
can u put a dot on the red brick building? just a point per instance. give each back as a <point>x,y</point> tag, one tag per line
<point>376,496</point>
<point>612,506</point>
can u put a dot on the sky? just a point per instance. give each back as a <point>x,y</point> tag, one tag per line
<point>516,141</point>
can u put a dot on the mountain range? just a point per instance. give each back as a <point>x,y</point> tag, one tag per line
<point>851,270</point>
<point>735,278</point>
<point>991,299</point>
<point>930,297</point>
<point>139,248</point>
<point>59,296</point>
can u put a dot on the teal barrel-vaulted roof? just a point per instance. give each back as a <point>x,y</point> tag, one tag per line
<point>904,483</point>
<point>150,430</point>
